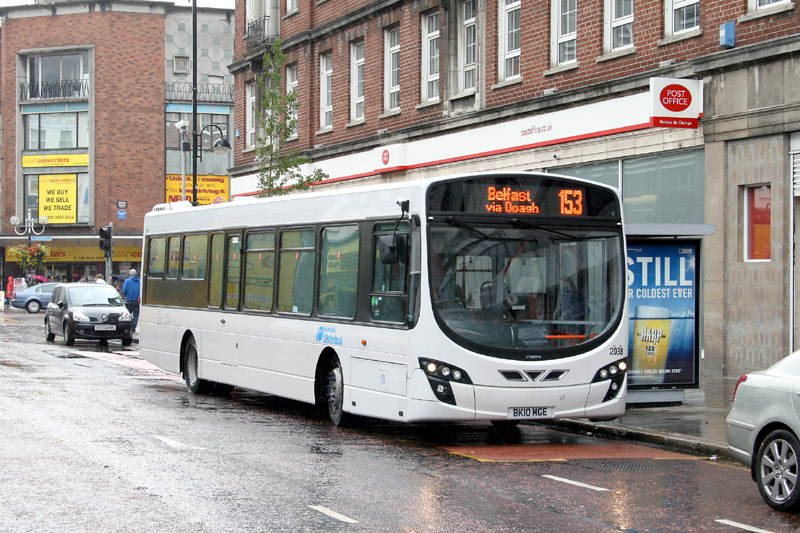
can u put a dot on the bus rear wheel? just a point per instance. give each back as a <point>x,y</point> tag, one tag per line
<point>335,394</point>
<point>190,375</point>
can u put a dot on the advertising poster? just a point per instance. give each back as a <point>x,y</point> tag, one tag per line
<point>662,298</point>
<point>210,189</point>
<point>58,198</point>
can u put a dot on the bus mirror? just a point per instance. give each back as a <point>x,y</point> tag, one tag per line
<point>387,248</point>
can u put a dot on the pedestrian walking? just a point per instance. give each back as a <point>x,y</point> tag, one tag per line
<point>10,290</point>
<point>99,278</point>
<point>130,290</point>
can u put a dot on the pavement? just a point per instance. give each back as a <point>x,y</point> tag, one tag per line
<point>695,426</point>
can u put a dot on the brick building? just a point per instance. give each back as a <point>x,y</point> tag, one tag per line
<point>400,90</point>
<point>90,95</point>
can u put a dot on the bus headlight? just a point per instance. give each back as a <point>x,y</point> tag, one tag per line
<point>440,376</point>
<point>615,372</point>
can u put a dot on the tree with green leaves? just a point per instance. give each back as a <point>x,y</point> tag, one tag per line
<point>280,167</point>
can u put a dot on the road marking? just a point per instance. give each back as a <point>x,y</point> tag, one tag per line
<point>576,483</point>
<point>333,514</point>
<point>176,444</point>
<point>743,526</point>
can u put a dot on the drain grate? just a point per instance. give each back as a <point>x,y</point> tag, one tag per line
<point>615,467</point>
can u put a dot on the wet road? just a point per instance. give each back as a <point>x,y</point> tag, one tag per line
<point>95,439</point>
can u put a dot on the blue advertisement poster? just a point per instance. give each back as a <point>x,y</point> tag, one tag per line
<point>662,298</point>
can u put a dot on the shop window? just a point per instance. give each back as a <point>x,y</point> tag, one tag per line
<point>757,222</point>
<point>661,189</point>
<point>665,188</point>
<point>56,131</point>
<point>173,134</point>
<point>70,191</point>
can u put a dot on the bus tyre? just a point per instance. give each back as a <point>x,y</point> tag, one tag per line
<point>190,376</point>
<point>335,394</point>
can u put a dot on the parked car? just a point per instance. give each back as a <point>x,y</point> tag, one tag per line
<point>34,298</point>
<point>91,311</point>
<point>763,427</point>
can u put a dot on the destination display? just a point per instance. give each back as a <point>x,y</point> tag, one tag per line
<point>522,196</point>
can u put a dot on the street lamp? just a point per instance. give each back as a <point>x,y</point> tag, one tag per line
<point>221,146</point>
<point>29,226</point>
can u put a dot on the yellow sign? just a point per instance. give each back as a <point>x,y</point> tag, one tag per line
<point>210,189</point>
<point>55,160</point>
<point>58,198</point>
<point>85,254</point>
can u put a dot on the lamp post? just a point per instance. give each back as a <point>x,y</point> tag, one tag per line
<point>183,128</point>
<point>29,227</point>
<point>221,146</point>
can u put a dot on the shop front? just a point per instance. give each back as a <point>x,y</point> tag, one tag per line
<point>69,262</point>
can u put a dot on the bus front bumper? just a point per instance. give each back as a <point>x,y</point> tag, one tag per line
<point>477,402</point>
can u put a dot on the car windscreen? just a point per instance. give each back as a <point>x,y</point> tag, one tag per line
<point>94,295</point>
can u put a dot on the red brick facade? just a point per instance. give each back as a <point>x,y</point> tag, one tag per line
<point>128,109</point>
<point>320,27</point>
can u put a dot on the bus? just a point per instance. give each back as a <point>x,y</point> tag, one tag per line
<point>493,296</point>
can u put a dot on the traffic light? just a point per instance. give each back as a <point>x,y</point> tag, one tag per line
<point>106,235</point>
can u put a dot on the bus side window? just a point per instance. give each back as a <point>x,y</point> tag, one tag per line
<point>296,271</point>
<point>338,272</point>
<point>388,298</point>
<point>155,257</point>
<point>233,271</point>
<point>194,257</point>
<point>216,270</point>
<point>259,271</point>
<point>173,265</point>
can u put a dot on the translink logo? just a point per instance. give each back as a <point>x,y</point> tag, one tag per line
<point>327,335</point>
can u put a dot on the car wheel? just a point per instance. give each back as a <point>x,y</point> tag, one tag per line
<point>126,341</point>
<point>69,337</point>
<point>49,335</point>
<point>33,306</point>
<point>777,470</point>
<point>190,376</point>
<point>335,394</point>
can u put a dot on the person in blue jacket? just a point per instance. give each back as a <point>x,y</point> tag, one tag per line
<point>130,290</point>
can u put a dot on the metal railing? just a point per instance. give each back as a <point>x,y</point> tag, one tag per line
<point>62,89</point>
<point>257,32</point>
<point>206,92</point>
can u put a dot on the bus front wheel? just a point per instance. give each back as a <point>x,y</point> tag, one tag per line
<point>335,393</point>
<point>190,375</point>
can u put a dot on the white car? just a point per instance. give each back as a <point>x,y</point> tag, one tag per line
<point>762,430</point>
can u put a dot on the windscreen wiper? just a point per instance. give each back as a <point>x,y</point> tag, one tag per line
<point>529,225</point>
<point>472,229</point>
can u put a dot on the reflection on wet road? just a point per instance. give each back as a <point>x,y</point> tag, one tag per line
<point>95,439</point>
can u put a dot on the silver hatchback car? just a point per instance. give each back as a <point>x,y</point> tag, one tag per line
<point>762,430</point>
